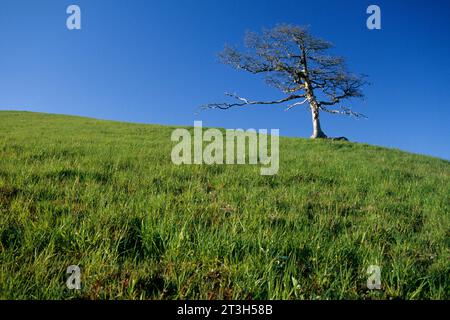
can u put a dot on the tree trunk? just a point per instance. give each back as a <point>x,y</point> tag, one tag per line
<point>317,130</point>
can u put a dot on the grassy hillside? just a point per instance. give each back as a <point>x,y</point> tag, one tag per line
<point>105,196</point>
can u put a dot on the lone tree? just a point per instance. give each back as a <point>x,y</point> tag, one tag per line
<point>295,62</point>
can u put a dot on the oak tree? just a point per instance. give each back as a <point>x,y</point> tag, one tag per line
<point>298,64</point>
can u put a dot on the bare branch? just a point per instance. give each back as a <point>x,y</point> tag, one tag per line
<point>296,104</point>
<point>285,82</point>
<point>245,102</point>
<point>344,111</point>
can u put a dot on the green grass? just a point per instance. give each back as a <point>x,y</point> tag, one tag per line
<point>105,196</point>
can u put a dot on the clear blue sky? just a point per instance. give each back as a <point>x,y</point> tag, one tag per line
<point>155,62</point>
